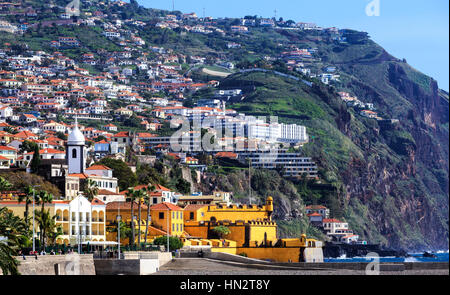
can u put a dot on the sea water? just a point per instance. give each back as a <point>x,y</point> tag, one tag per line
<point>442,256</point>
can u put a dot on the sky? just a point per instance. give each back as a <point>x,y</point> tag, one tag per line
<point>416,30</point>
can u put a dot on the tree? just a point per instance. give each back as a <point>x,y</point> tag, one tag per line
<point>14,231</point>
<point>28,198</point>
<point>222,231</point>
<point>140,195</point>
<point>183,186</point>
<point>131,197</point>
<point>174,242</point>
<point>28,146</point>
<point>125,231</point>
<point>47,226</point>
<point>36,161</point>
<point>5,185</point>
<point>90,192</point>
<point>44,197</point>
<point>121,171</point>
<point>151,188</point>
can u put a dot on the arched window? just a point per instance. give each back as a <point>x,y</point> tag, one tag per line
<point>74,153</point>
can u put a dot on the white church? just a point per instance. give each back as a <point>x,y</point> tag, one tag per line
<point>78,174</point>
<point>81,220</point>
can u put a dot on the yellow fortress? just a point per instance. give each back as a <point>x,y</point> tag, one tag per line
<point>251,230</point>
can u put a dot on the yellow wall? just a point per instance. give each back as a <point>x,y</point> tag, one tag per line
<point>232,213</point>
<point>237,231</point>
<point>274,254</point>
<point>176,222</point>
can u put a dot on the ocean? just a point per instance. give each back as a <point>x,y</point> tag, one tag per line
<point>442,256</point>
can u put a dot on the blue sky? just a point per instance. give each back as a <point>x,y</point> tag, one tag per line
<point>413,29</point>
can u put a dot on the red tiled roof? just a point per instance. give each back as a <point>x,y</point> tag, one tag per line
<point>104,192</point>
<point>96,201</point>
<point>315,207</point>
<point>166,206</point>
<point>98,167</point>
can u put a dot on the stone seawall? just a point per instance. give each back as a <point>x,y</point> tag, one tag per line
<point>57,265</point>
<point>134,263</point>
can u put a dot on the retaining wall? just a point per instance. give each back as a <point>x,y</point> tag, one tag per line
<point>57,265</point>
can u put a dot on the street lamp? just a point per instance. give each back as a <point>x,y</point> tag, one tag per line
<point>119,218</point>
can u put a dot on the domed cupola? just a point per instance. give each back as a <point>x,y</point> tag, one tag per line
<point>75,136</point>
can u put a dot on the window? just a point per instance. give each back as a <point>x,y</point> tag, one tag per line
<point>74,153</point>
<point>155,200</point>
<point>161,215</point>
<point>191,215</point>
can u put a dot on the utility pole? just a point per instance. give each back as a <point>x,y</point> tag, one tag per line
<point>173,5</point>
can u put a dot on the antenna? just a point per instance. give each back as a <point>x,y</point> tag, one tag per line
<point>204,15</point>
<point>173,5</point>
<point>275,14</point>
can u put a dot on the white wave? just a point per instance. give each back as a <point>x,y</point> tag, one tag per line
<point>411,259</point>
<point>441,252</point>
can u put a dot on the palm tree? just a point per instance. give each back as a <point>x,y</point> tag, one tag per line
<point>131,197</point>
<point>90,192</point>
<point>44,197</point>
<point>47,226</point>
<point>28,198</point>
<point>151,188</point>
<point>15,231</point>
<point>140,195</point>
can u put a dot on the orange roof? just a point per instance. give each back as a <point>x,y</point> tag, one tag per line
<point>166,206</point>
<point>98,167</point>
<point>79,175</point>
<point>315,207</point>
<point>96,201</point>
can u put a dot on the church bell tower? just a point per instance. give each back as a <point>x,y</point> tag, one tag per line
<point>75,150</point>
